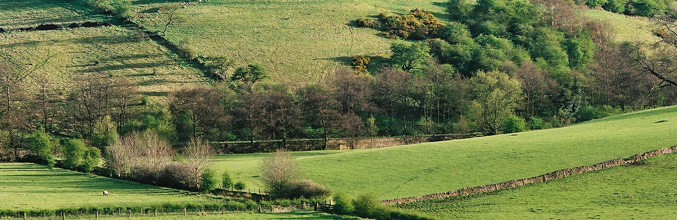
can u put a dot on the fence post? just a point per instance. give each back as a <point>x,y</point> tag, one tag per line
<point>63,215</point>
<point>184,211</point>
<point>155,215</point>
<point>25,216</point>
<point>97,213</point>
<point>130,213</point>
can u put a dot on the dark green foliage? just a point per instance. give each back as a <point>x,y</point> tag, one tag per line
<point>459,10</point>
<point>90,159</point>
<point>208,180</point>
<point>581,50</point>
<point>367,206</point>
<point>226,181</point>
<point>74,152</point>
<point>343,204</point>
<point>617,6</point>
<point>514,124</point>
<point>240,186</point>
<point>588,113</point>
<point>410,58</point>
<point>42,147</point>
<point>596,3</point>
<point>536,123</point>
<point>648,8</point>
<point>105,132</point>
<point>249,75</point>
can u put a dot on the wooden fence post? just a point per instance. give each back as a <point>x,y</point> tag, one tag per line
<point>97,213</point>
<point>130,213</point>
<point>155,215</point>
<point>184,211</point>
<point>63,215</point>
<point>25,216</point>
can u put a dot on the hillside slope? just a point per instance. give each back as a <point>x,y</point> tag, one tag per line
<point>444,166</point>
<point>645,191</point>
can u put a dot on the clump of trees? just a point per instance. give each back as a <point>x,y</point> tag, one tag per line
<point>648,8</point>
<point>282,178</point>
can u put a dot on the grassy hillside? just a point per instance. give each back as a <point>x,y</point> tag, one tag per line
<point>444,166</point>
<point>108,50</point>
<point>647,191</point>
<point>30,13</point>
<point>26,186</point>
<point>297,41</point>
<point>627,28</point>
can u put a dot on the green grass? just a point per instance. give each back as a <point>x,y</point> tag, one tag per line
<point>627,28</point>
<point>25,186</point>
<point>298,41</point>
<point>444,166</point>
<point>111,51</point>
<point>647,191</point>
<point>30,13</point>
<point>209,216</point>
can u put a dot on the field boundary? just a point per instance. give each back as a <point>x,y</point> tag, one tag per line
<point>559,174</point>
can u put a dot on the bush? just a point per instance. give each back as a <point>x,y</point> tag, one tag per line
<point>208,180</point>
<point>178,175</point>
<point>513,124</point>
<point>74,153</point>
<point>105,132</point>
<point>588,113</point>
<point>226,181</point>
<point>240,186</point>
<point>536,123</point>
<point>343,204</point>
<point>90,159</point>
<point>303,188</point>
<point>368,206</point>
<point>42,147</point>
<point>359,64</point>
<point>368,23</point>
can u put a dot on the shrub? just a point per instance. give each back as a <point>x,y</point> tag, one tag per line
<point>105,132</point>
<point>417,25</point>
<point>42,148</point>
<point>359,64</point>
<point>536,123</point>
<point>588,113</point>
<point>90,159</point>
<point>74,153</point>
<point>178,175</point>
<point>240,186</point>
<point>343,204</point>
<point>208,180</point>
<point>226,180</point>
<point>368,206</point>
<point>279,169</point>
<point>303,189</point>
<point>367,22</point>
<point>513,124</point>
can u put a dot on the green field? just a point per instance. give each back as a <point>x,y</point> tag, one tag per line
<point>298,41</point>
<point>30,13</point>
<point>25,186</point>
<point>444,166</point>
<point>106,50</point>
<point>235,216</point>
<point>627,28</point>
<point>647,191</point>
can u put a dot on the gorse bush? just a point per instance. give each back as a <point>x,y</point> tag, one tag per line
<point>417,25</point>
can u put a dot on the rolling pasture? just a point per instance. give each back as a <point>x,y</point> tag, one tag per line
<point>297,41</point>
<point>644,191</point>
<point>16,14</point>
<point>421,169</point>
<point>25,186</point>
<point>112,51</point>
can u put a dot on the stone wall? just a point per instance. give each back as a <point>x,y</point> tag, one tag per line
<point>536,179</point>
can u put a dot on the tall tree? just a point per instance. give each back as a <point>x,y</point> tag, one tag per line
<point>319,108</point>
<point>496,97</point>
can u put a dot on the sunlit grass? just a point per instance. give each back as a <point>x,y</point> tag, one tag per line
<point>445,166</point>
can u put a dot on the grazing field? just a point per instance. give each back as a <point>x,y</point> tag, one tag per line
<point>297,41</point>
<point>16,14</point>
<point>646,191</point>
<point>627,28</point>
<point>253,216</point>
<point>113,51</point>
<point>25,186</point>
<point>444,166</point>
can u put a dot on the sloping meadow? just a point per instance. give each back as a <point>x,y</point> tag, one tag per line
<point>421,169</point>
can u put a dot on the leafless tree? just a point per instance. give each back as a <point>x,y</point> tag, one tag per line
<point>278,170</point>
<point>197,153</point>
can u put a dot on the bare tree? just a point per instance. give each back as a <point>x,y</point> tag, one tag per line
<point>278,170</point>
<point>171,16</point>
<point>197,153</point>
